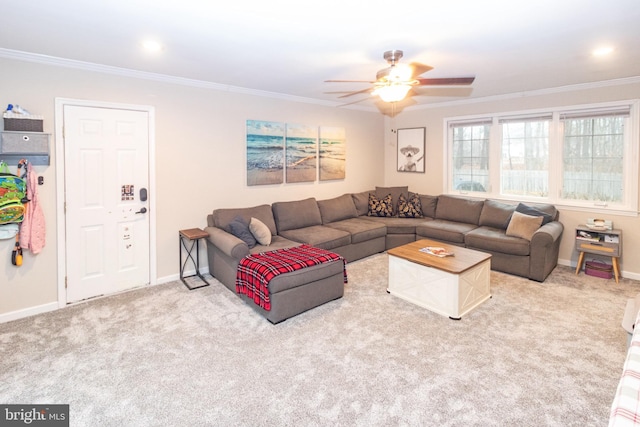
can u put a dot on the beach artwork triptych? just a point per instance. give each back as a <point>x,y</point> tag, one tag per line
<point>285,152</point>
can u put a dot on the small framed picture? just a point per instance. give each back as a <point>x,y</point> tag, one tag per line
<point>411,146</point>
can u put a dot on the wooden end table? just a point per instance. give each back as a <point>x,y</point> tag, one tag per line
<point>192,235</point>
<point>599,242</point>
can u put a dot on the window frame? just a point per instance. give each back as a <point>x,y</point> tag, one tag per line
<point>628,207</point>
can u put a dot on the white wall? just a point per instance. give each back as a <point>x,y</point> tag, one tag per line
<point>432,182</point>
<point>200,160</point>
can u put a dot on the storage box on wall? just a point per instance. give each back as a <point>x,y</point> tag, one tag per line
<point>33,146</point>
<point>19,123</point>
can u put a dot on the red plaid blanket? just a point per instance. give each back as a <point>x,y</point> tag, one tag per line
<point>256,271</point>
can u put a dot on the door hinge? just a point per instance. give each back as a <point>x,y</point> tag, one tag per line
<point>65,282</point>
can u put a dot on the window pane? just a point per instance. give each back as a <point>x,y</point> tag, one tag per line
<point>525,158</point>
<point>470,158</point>
<point>592,159</point>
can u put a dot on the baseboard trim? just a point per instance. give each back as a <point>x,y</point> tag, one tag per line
<point>27,312</point>
<point>44,308</point>
<point>174,277</point>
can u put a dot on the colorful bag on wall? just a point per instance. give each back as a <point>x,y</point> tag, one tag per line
<point>12,196</point>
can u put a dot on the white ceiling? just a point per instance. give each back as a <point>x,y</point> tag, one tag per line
<point>290,47</point>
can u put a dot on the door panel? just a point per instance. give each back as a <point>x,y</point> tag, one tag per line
<point>106,164</point>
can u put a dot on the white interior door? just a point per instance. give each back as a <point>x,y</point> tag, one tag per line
<point>107,224</point>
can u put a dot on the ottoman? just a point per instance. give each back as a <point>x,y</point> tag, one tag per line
<point>299,279</point>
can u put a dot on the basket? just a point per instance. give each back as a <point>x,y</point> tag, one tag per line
<point>598,269</point>
<point>23,125</point>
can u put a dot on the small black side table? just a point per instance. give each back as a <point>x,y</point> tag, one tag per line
<point>192,235</point>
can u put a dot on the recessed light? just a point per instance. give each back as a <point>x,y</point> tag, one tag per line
<point>151,46</point>
<point>602,51</point>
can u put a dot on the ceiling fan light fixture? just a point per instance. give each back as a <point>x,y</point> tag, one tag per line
<point>400,72</point>
<point>392,93</point>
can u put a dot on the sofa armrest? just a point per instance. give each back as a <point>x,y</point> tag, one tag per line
<point>544,250</point>
<point>546,235</point>
<point>227,243</point>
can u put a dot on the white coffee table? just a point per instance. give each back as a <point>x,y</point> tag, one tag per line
<point>451,286</point>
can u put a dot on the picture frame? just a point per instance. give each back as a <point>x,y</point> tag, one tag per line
<point>411,150</point>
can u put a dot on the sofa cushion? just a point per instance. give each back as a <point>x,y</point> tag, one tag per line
<point>297,214</point>
<point>429,204</point>
<point>337,209</point>
<point>523,226</point>
<point>495,240</point>
<point>361,229</point>
<point>496,214</point>
<point>320,236</point>
<point>547,212</point>
<point>240,228</point>
<point>459,209</point>
<point>397,225</point>
<point>395,195</point>
<point>380,206</point>
<point>443,230</point>
<point>411,208</point>
<point>260,231</point>
<point>222,217</point>
<point>361,200</point>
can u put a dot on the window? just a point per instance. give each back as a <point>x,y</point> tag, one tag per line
<point>593,164</point>
<point>524,166</point>
<point>470,156</point>
<point>580,156</point>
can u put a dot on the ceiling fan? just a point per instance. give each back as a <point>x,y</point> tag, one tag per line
<point>393,83</point>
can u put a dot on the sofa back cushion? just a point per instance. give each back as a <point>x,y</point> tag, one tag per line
<point>297,214</point>
<point>496,214</point>
<point>337,209</point>
<point>223,217</point>
<point>459,209</point>
<point>429,204</point>
<point>361,200</point>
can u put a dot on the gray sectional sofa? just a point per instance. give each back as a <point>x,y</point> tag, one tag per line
<point>344,225</point>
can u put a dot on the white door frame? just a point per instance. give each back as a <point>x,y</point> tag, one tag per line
<point>60,103</point>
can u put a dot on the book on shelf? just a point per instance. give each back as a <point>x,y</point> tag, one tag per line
<point>436,251</point>
<point>588,239</point>
<point>591,237</point>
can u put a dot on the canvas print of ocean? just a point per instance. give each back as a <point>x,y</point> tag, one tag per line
<point>333,144</point>
<point>301,143</point>
<point>265,152</point>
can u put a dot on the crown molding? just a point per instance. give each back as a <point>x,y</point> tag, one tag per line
<point>526,94</point>
<point>164,78</point>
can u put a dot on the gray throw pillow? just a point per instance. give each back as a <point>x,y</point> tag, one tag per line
<point>530,210</point>
<point>240,229</point>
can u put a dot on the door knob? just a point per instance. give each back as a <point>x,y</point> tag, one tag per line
<point>141,211</point>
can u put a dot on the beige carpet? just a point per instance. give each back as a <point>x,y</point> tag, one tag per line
<point>535,354</point>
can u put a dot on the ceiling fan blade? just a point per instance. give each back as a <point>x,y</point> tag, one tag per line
<point>446,81</point>
<point>369,89</point>
<point>419,69</point>
<point>348,81</point>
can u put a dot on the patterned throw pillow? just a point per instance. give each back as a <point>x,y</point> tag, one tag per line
<point>380,207</point>
<point>411,208</point>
